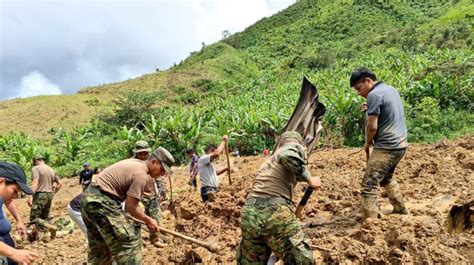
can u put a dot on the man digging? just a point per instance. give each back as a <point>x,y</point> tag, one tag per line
<point>387,133</point>
<point>268,221</point>
<point>207,172</point>
<point>111,235</point>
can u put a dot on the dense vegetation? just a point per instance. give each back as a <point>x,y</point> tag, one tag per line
<point>252,82</point>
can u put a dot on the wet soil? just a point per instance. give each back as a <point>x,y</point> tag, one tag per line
<point>432,178</point>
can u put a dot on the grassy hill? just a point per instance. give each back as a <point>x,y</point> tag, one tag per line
<point>248,83</point>
<point>36,115</point>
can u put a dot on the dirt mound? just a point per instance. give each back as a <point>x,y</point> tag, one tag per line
<point>432,178</point>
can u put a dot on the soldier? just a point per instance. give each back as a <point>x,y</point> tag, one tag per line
<point>268,221</point>
<point>44,182</point>
<point>109,233</point>
<point>387,133</point>
<point>142,150</point>
<point>151,200</point>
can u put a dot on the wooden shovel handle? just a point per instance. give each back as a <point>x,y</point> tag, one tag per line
<point>211,246</point>
<point>228,162</point>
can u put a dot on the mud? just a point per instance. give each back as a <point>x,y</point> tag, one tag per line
<point>432,177</point>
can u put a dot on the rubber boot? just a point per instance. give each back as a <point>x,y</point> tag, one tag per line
<point>396,198</point>
<point>370,208</point>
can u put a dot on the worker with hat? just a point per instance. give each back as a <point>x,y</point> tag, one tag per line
<point>268,221</point>
<point>142,150</point>
<point>151,200</point>
<point>12,182</point>
<point>110,234</point>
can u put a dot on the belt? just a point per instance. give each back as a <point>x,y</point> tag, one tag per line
<point>267,201</point>
<point>95,189</point>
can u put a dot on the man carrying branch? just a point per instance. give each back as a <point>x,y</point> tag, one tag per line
<point>268,221</point>
<point>109,233</point>
<point>387,132</point>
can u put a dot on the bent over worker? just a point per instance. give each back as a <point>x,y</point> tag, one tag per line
<point>268,221</point>
<point>110,234</point>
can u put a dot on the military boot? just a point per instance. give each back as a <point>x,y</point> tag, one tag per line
<point>370,208</point>
<point>396,198</point>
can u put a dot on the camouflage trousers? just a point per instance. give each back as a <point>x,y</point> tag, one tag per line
<point>152,209</point>
<point>110,234</point>
<point>267,228</point>
<point>380,169</point>
<point>41,205</point>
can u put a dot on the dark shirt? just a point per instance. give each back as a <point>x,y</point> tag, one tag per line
<point>75,204</point>
<point>85,176</point>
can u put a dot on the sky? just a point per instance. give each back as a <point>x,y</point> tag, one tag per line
<point>57,47</point>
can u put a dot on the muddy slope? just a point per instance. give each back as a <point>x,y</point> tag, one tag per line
<point>432,178</point>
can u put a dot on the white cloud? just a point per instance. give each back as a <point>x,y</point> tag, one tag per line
<point>35,83</point>
<point>78,43</point>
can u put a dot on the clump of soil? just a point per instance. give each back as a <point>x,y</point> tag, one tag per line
<point>432,177</point>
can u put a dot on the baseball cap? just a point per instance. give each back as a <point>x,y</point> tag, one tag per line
<point>165,157</point>
<point>14,173</point>
<point>86,164</point>
<point>141,146</point>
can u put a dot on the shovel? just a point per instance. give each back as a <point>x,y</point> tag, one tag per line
<point>171,192</point>
<point>211,246</point>
<point>228,162</point>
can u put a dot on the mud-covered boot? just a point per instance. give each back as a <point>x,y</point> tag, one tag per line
<point>155,240</point>
<point>396,198</point>
<point>370,208</point>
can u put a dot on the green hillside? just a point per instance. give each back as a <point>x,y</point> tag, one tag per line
<point>247,85</point>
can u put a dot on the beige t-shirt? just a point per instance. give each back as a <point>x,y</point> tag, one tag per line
<point>126,177</point>
<point>278,175</point>
<point>45,176</point>
<point>150,189</point>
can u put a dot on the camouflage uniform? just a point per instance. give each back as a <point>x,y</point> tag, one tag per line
<point>267,228</point>
<point>152,209</point>
<point>41,205</point>
<point>152,204</point>
<point>268,222</point>
<point>108,231</point>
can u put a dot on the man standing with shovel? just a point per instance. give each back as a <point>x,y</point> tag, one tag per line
<point>268,221</point>
<point>387,133</point>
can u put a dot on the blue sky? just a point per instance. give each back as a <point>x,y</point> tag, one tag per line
<point>57,47</point>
